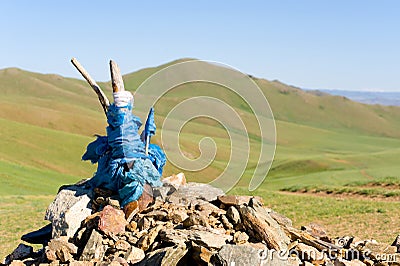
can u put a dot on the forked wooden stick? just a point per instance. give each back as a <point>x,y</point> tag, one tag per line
<point>100,94</point>
<point>116,77</point>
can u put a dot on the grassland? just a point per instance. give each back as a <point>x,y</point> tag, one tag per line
<point>323,142</point>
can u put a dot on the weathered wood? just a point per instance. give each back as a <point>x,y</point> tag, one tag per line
<point>100,94</point>
<point>116,77</point>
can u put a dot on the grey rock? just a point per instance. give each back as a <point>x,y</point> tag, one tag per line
<point>168,256</point>
<point>174,236</point>
<point>163,192</point>
<point>94,248</point>
<point>309,253</point>
<point>70,207</point>
<point>195,191</point>
<point>208,239</point>
<point>247,255</point>
<point>233,214</point>
<point>281,219</point>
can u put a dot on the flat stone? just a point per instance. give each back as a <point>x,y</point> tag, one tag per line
<point>177,237</point>
<point>135,255</point>
<point>228,200</point>
<point>316,231</point>
<point>195,219</point>
<point>247,255</point>
<point>112,221</point>
<point>70,207</point>
<point>168,256</point>
<point>378,250</point>
<point>208,239</point>
<point>309,253</point>
<point>233,214</point>
<point>177,216</point>
<point>246,199</point>
<point>281,219</point>
<point>61,249</point>
<point>195,191</point>
<point>94,249</point>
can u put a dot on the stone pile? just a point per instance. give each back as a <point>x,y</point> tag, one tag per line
<point>190,224</point>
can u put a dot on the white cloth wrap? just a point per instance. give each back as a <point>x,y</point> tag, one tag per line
<point>123,98</point>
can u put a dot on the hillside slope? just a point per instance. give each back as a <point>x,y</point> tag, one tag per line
<point>47,120</point>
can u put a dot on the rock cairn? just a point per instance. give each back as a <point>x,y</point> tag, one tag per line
<point>190,224</point>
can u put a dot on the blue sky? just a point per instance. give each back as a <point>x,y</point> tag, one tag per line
<point>349,44</point>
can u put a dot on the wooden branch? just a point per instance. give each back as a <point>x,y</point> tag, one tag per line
<point>116,77</point>
<point>100,94</point>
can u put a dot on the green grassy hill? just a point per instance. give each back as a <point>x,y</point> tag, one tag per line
<point>47,120</point>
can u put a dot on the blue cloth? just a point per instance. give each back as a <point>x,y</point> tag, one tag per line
<point>122,145</point>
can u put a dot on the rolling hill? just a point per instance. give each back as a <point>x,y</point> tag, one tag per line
<point>47,120</point>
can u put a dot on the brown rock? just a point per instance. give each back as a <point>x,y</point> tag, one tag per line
<point>316,231</point>
<point>281,219</point>
<point>308,253</point>
<point>122,245</point>
<point>208,239</point>
<point>112,221</point>
<point>240,238</point>
<point>147,240</point>
<point>60,248</point>
<point>177,216</point>
<point>228,200</point>
<point>264,227</point>
<point>201,254</point>
<point>135,255</point>
<point>174,236</point>
<point>176,180</point>
<point>132,226</point>
<point>246,199</point>
<point>195,219</point>
<point>157,214</point>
